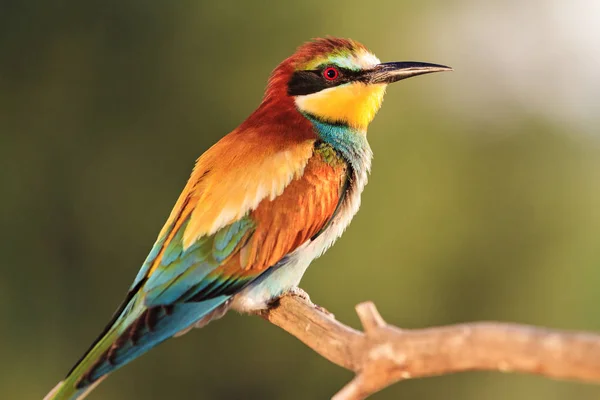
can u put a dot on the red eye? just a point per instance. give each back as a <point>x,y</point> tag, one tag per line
<point>330,73</point>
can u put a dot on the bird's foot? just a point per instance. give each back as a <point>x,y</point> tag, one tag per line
<point>298,292</point>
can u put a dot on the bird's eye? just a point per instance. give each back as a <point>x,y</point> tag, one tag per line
<point>331,73</point>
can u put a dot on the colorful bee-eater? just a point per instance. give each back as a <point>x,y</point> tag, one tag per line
<point>260,205</point>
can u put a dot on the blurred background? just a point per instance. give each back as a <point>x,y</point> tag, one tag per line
<point>483,203</point>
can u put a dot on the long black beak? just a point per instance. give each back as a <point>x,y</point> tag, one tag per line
<point>391,72</point>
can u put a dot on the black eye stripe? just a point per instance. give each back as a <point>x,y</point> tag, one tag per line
<point>312,81</point>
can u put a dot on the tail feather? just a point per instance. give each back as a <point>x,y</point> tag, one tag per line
<point>79,395</point>
<point>133,332</point>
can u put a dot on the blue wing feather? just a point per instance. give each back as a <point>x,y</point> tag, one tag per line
<point>177,276</point>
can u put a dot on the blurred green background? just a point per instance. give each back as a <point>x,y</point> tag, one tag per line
<point>482,205</point>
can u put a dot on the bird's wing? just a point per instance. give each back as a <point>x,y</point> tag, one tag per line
<point>228,181</point>
<point>198,266</point>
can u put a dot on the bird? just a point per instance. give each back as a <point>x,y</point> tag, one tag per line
<point>260,205</point>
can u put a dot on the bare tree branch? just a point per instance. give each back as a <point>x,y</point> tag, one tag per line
<point>384,354</point>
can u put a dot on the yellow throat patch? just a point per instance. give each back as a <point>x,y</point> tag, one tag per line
<point>354,104</point>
